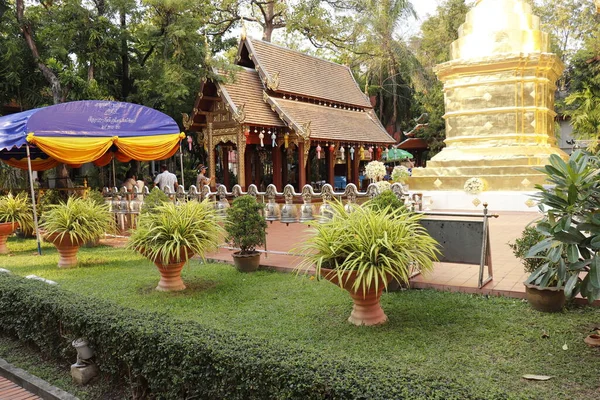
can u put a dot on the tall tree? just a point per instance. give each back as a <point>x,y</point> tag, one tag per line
<point>432,47</point>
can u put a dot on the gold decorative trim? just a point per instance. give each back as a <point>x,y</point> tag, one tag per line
<point>225,139</point>
<point>225,131</point>
<point>240,114</point>
<point>304,130</point>
<point>187,121</point>
<point>273,81</point>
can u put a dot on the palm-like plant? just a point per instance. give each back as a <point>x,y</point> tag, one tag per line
<point>80,220</point>
<point>176,232</point>
<point>377,244</point>
<point>17,209</point>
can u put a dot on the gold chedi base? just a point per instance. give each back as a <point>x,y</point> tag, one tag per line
<point>499,90</point>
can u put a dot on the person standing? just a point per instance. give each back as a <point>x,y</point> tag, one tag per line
<point>166,179</point>
<point>202,179</point>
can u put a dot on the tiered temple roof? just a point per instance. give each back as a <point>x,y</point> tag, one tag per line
<point>277,87</point>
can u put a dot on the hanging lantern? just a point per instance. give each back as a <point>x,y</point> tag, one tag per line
<point>385,153</point>
<point>286,140</point>
<point>189,140</point>
<point>352,153</point>
<point>332,148</point>
<point>319,152</point>
<point>379,150</point>
<point>247,133</point>
<point>371,152</point>
<point>342,152</point>
<point>273,137</point>
<point>361,153</point>
<point>261,136</point>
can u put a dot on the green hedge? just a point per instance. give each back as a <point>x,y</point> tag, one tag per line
<point>162,358</point>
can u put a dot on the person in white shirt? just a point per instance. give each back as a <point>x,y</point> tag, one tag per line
<point>166,178</point>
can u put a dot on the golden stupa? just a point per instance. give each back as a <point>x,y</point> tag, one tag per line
<point>499,96</point>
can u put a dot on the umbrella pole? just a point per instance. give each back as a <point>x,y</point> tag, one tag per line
<point>35,218</point>
<point>113,172</point>
<point>181,164</point>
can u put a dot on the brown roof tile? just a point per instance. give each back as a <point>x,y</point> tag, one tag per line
<point>305,75</point>
<point>327,123</point>
<point>247,90</point>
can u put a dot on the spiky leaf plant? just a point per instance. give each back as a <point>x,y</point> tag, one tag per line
<point>176,232</point>
<point>17,209</point>
<point>374,242</point>
<point>80,219</point>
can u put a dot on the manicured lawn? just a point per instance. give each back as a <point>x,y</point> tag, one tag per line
<point>478,341</point>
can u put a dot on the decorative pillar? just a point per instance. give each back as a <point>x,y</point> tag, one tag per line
<point>303,147</point>
<point>241,157</point>
<point>248,171</point>
<point>212,169</point>
<point>277,166</point>
<point>330,159</point>
<point>225,166</point>
<point>355,164</point>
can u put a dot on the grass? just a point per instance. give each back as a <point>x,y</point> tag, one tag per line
<point>481,342</point>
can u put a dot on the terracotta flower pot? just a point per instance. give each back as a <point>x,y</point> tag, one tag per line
<point>6,229</point>
<point>170,273</point>
<point>246,262</point>
<point>592,340</point>
<point>367,308</point>
<point>550,299</point>
<point>67,248</point>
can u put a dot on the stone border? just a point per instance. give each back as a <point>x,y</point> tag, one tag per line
<point>32,383</point>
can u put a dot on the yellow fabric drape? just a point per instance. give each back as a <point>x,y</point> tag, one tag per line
<point>147,148</point>
<point>37,164</point>
<point>72,150</point>
<point>79,150</point>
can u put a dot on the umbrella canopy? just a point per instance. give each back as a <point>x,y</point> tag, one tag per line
<point>394,154</point>
<point>87,131</point>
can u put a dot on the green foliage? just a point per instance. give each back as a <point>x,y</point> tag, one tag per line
<point>173,232</point>
<point>155,199</point>
<point>17,209</point>
<point>95,197</point>
<point>82,220</point>
<point>245,225</point>
<point>159,357</point>
<point>375,243</point>
<point>529,238</point>
<point>386,201</point>
<point>48,198</point>
<point>571,226</point>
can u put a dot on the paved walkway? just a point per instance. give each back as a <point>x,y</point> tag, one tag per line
<point>11,391</point>
<point>508,274</point>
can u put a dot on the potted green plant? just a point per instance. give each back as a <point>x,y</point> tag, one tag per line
<point>551,296</point>
<point>15,212</point>
<point>363,249</point>
<point>246,229</point>
<point>171,234</point>
<point>571,226</point>
<point>71,224</point>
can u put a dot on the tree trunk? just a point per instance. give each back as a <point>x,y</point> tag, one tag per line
<point>125,82</point>
<point>50,76</point>
<point>268,28</point>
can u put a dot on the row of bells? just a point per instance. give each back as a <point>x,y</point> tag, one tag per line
<point>287,213</point>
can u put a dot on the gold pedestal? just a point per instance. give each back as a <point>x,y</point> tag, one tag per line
<point>499,97</point>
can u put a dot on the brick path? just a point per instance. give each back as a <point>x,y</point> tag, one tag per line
<point>11,391</point>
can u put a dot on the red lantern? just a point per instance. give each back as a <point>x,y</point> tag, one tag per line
<point>332,148</point>
<point>379,150</point>
<point>247,133</point>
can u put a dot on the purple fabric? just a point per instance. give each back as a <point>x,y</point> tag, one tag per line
<point>91,118</point>
<point>88,118</point>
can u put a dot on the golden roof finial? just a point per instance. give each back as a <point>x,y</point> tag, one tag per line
<point>243,35</point>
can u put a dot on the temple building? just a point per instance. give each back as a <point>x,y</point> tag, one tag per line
<point>286,118</point>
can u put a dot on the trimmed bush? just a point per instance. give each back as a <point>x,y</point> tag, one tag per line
<point>162,358</point>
